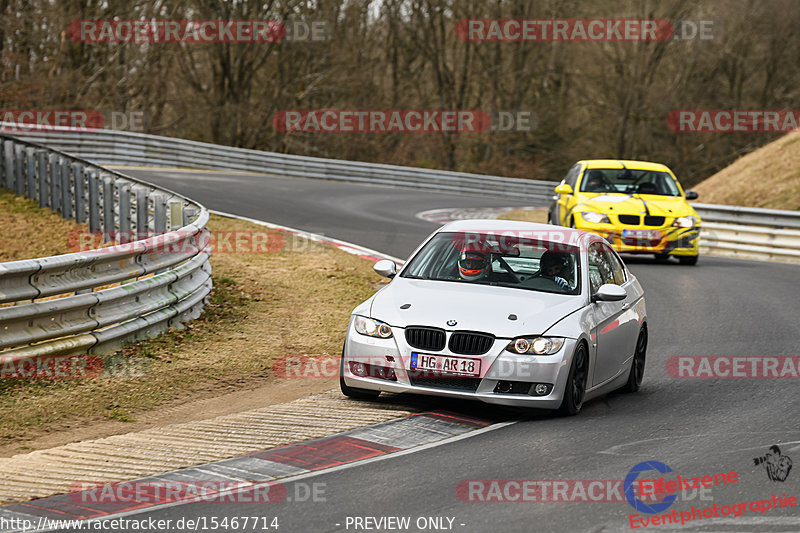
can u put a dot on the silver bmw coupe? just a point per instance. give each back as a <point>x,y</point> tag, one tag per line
<point>510,313</point>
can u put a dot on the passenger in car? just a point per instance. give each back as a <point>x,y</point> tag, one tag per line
<point>552,266</point>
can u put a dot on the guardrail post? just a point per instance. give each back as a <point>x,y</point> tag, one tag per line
<point>159,214</point>
<point>55,183</point>
<point>66,191</point>
<point>8,147</point>
<point>2,164</point>
<point>175,214</point>
<point>31,173</point>
<point>108,209</point>
<point>142,213</point>
<point>20,169</point>
<point>124,212</point>
<point>79,179</point>
<point>41,174</point>
<point>94,203</point>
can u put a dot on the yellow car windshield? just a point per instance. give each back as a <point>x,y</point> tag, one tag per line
<point>628,181</point>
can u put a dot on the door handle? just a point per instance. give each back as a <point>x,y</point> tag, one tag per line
<point>625,307</point>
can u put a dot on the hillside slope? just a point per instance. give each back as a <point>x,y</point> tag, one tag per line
<point>768,177</point>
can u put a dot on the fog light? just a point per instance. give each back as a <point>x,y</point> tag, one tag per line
<point>359,369</point>
<point>504,386</point>
<point>540,389</point>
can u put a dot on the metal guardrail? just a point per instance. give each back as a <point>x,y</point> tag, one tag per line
<point>127,148</point>
<point>63,305</point>
<point>750,232</point>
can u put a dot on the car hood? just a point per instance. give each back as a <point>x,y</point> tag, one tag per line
<point>473,307</point>
<point>615,204</point>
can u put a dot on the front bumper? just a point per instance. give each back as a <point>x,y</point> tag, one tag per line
<point>497,366</point>
<point>673,241</point>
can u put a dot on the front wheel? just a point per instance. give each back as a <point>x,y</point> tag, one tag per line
<point>637,365</point>
<point>352,392</point>
<point>575,389</point>
<point>688,259</point>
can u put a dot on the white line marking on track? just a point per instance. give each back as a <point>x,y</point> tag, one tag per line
<point>298,477</point>
<point>348,247</point>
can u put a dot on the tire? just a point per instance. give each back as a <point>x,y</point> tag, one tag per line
<point>637,365</point>
<point>575,390</point>
<point>688,259</point>
<point>662,258</point>
<point>352,392</point>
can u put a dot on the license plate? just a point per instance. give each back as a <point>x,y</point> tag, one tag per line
<point>643,234</point>
<point>445,364</point>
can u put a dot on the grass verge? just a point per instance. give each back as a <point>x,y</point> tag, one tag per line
<point>27,231</point>
<point>264,306</point>
<point>768,177</point>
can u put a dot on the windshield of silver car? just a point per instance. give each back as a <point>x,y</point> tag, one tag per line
<point>520,260</point>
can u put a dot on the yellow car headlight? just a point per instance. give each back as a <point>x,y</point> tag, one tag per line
<point>595,218</point>
<point>685,222</point>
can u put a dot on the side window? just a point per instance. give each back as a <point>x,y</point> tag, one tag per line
<point>572,176</point>
<point>617,270</point>
<point>600,270</point>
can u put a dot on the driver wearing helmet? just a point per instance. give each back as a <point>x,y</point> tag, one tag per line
<point>473,265</point>
<point>551,266</point>
<point>595,182</point>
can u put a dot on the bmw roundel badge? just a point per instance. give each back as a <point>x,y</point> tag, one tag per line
<point>451,322</point>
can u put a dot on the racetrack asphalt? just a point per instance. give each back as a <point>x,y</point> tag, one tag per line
<point>721,307</point>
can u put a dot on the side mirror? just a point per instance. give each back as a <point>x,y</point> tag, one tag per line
<point>385,268</point>
<point>609,293</point>
<point>564,189</point>
<point>691,195</point>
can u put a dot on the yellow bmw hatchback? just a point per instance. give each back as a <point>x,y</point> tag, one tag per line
<point>639,207</point>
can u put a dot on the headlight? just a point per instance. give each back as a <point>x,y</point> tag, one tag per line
<point>372,328</point>
<point>685,222</point>
<point>595,218</point>
<point>536,345</point>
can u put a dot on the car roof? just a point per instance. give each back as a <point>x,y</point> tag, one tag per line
<point>617,163</point>
<point>500,226</point>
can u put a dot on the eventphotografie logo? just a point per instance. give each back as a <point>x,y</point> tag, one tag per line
<point>775,463</point>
